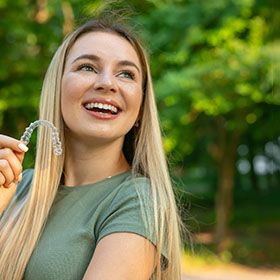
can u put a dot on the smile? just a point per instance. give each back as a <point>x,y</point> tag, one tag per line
<point>103,108</point>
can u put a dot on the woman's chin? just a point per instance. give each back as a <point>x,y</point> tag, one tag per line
<point>94,137</point>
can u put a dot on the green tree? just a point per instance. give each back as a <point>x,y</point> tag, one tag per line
<point>215,66</point>
<point>215,75</point>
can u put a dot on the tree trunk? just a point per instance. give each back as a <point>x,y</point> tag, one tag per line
<point>226,151</point>
<point>224,201</point>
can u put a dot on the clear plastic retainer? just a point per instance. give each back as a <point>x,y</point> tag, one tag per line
<point>25,138</point>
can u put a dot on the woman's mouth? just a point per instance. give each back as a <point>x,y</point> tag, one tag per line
<point>102,110</point>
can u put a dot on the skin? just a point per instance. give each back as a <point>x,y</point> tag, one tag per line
<point>95,144</point>
<point>11,157</point>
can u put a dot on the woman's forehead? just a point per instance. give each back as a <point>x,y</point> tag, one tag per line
<point>104,45</point>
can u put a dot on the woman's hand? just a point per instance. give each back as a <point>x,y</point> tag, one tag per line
<point>11,157</point>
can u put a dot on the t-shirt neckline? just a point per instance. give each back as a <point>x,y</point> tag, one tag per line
<point>100,182</point>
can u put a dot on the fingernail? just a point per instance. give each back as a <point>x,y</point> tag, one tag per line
<point>23,147</point>
<point>20,177</point>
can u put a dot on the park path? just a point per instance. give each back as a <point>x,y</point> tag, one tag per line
<point>241,273</point>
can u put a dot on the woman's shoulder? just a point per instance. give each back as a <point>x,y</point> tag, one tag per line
<point>132,195</point>
<point>136,180</point>
<point>135,184</point>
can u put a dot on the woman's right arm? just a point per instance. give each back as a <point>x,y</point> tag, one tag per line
<point>11,157</point>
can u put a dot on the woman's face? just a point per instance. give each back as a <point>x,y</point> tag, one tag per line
<point>101,91</point>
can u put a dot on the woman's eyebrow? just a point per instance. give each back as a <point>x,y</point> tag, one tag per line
<point>128,63</point>
<point>87,56</point>
<point>96,58</point>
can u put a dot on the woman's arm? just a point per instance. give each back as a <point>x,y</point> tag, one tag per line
<point>122,256</point>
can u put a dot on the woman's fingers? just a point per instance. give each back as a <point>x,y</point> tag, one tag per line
<point>7,172</point>
<point>11,158</point>
<point>12,143</point>
<point>2,179</point>
<point>13,162</point>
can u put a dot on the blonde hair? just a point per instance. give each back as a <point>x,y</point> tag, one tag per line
<point>142,147</point>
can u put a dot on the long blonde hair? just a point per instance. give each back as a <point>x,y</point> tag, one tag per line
<point>142,147</point>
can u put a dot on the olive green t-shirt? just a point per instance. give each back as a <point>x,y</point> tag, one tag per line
<point>79,218</point>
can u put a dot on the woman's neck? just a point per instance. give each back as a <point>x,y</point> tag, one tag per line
<point>84,165</point>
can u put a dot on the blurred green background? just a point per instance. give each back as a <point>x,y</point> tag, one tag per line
<point>216,71</point>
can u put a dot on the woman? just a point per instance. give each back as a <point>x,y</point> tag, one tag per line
<point>105,209</point>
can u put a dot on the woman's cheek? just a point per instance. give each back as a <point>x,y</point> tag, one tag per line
<point>76,83</point>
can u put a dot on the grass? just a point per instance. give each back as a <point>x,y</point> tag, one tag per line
<point>199,259</point>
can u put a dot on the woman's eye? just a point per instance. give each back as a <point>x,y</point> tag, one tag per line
<point>86,67</point>
<point>127,75</point>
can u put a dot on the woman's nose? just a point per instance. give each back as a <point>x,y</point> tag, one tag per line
<point>105,82</point>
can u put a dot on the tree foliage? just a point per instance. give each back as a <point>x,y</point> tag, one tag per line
<point>215,65</point>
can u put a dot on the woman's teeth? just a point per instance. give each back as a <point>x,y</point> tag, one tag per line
<point>111,108</point>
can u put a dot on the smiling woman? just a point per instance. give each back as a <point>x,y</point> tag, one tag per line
<point>105,209</point>
<point>101,69</point>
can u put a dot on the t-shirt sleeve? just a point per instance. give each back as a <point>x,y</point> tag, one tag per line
<point>24,186</point>
<point>124,213</point>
